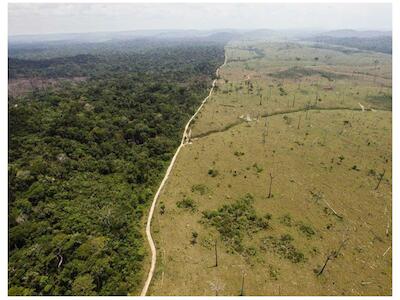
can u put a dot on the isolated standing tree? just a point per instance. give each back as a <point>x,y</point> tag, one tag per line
<point>216,254</point>
<point>334,254</point>
<point>307,109</point>
<point>242,288</point>
<point>380,179</point>
<point>270,185</point>
<point>298,124</point>
<point>217,286</point>
<point>265,131</point>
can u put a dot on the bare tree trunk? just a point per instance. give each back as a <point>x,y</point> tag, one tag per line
<point>242,288</point>
<point>298,124</point>
<point>380,179</point>
<point>334,254</point>
<point>216,254</point>
<point>270,185</point>
<point>264,137</point>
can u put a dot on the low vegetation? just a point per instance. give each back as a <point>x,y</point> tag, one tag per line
<point>283,247</point>
<point>235,221</point>
<point>187,204</point>
<point>291,143</point>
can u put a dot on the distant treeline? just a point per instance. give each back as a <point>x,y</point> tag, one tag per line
<point>55,49</point>
<point>150,59</point>
<point>381,44</point>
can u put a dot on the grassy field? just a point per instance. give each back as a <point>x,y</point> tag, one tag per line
<point>285,173</point>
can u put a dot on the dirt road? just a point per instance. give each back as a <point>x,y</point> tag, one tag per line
<point>184,141</point>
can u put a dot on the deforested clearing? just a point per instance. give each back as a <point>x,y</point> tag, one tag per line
<point>289,172</point>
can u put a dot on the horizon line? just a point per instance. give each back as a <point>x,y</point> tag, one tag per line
<point>204,30</point>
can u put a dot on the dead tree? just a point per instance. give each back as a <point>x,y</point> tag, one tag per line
<point>294,99</point>
<point>216,254</point>
<point>334,254</point>
<point>270,185</point>
<point>380,179</point>
<point>242,288</point>
<point>265,132</point>
<point>217,286</point>
<point>264,135</point>
<point>298,124</point>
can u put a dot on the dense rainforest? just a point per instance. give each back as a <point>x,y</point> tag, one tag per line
<point>86,157</point>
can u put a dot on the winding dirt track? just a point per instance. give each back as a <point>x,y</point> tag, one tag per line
<point>184,141</point>
<point>283,112</point>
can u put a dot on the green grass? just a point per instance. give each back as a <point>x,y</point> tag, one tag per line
<point>312,167</point>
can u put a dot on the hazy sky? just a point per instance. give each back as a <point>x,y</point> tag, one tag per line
<point>75,18</point>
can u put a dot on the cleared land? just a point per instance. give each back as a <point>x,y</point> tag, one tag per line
<point>293,113</point>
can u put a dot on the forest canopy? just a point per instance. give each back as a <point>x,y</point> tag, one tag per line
<point>86,157</point>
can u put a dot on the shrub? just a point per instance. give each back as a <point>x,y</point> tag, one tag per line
<point>306,229</point>
<point>239,153</point>
<point>283,247</point>
<point>193,240</point>
<point>213,172</point>
<point>286,220</point>
<point>234,221</point>
<point>287,119</point>
<point>258,168</point>
<point>200,188</point>
<point>273,272</point>
<point>187,203</point>
<point>162,208</point>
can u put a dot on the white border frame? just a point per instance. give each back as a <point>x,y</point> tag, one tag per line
<point>4,131</point>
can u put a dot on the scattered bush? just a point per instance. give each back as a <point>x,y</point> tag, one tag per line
<point>213,172</point>
<point>283,247</point>
<point>234,221</point>
<point>287,119</point>
<point>286,220</point>
<point>187,204</point>
<point>200,188</point>
<point>238,153</point>
<point>306,229</point>
<point>162,208</point>
<point>193,240</point>
<point>258,168</point>
<point>273,272</point>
